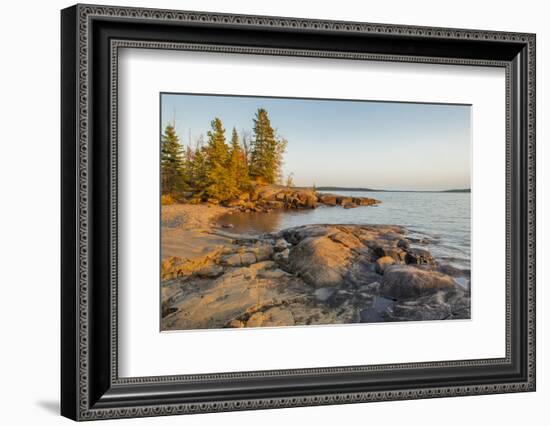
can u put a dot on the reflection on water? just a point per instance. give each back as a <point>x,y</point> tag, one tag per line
<point>262,223</point>
<point>444,217</point>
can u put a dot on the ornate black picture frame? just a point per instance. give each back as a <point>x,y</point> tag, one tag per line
<point>91,36</point>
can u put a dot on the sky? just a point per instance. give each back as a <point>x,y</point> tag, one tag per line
<point>380,145</point>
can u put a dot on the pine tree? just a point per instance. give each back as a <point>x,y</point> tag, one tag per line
<point>278,160</point>
<point>218,180</point>
<point>245,138</point>
<point>172,162</point>
<point>237,167</point>
<point>197,171</point>
<point>266,150</point>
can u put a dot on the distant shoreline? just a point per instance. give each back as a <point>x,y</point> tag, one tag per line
<point>338,188</point>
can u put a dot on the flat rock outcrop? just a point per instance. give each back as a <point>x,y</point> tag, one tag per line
<point>314,274</point>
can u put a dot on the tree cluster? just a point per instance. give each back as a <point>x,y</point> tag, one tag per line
<point>219,169</point>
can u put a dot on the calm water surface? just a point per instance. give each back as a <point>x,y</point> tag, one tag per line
<point>442,218</point>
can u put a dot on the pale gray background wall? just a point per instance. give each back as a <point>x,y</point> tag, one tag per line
<point>29,212</point>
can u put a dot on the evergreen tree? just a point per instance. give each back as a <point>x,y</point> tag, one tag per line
<point>245,138</point>
<point>218,180</point>
<point>197,171</point>
<point>278,160</point>
<point>237,168</point>
<point>172,162</point>
<point>188,155</point>
<point>266,150</point>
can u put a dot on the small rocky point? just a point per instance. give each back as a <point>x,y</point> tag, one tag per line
<point>313,274</point>
<point>265,198</point>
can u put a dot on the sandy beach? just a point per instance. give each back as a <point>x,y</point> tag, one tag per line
<point>186,230</point>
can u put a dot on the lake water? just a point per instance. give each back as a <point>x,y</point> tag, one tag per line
<point>441,218</point>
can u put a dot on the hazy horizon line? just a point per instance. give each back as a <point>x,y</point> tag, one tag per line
<point>366,189</point>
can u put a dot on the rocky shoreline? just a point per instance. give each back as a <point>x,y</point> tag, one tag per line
<point>265,198</point>
<point>313,274</point>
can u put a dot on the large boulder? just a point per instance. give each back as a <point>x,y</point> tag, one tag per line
<point>295,235</point>
<point>407,282</point>
<point>320,261</point>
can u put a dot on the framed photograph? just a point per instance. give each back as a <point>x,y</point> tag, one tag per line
<point>263,212</point>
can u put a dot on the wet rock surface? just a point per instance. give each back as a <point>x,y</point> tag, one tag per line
<point>313,274</point>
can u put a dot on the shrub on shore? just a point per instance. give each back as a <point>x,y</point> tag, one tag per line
<point>167,199</point>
